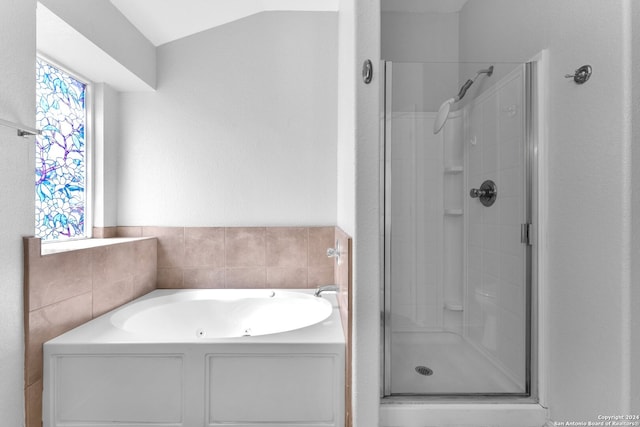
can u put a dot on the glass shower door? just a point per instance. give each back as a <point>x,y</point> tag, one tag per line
<point>457,270</point>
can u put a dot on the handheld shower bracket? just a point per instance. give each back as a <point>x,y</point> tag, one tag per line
<point>468,83</point>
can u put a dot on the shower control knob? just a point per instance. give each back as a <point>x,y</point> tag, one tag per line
<point>475,193</point>
<point>487,193</point>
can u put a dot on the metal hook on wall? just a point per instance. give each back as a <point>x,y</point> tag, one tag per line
<point>581,75</point>
<point>367,71</point>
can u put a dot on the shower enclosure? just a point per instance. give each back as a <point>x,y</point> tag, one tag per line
<point>458,215</point>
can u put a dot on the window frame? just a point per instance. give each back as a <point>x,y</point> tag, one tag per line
<point>89,150</point>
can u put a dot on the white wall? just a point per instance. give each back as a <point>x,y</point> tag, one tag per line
<point>589,172</point>
<point>106,144</point>
<point>241,130</point>
<point>17,104</point>
<point>359,193</point>
<point>346,186</point>
<point>419,37</point>
<point>101,23</point>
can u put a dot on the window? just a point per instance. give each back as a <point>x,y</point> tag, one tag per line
<point>61,154</point>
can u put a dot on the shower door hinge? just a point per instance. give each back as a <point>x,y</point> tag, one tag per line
<point>525,233</point>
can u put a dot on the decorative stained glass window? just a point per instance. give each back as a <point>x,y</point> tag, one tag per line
<point>60,180</point>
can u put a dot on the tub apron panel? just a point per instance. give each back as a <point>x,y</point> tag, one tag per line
<point>95,376</point>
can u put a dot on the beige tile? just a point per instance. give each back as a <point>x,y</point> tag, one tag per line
<point>321,239</point>
<point>145,255</point>
<point>204,247</point>
<point>32,247</point>
<point>33,404</point>
<point>56,277</point>
<point>204,278</point>
<point>342,270</point>
<point>145,272</point>
<point>145,282</point>
<point>112,263</point>
<point>288,278</point>
<point>31,254</point>
<point>170,278</point>
<point>243,278</point>
<point>128,231</point>
<point>245,247</point>
<point>49,322</point>
<point>170,245</point>
<point>320,276</point>
<point>104,232</point>
<point>109,295</point>
<point>123,272</point>
<point>287,247</point>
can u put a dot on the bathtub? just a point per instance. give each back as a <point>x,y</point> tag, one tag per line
<point>214,357</point>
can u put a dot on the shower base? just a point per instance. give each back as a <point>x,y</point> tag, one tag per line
<point>457,366</point>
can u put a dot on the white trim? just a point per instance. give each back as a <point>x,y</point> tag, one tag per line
<point>444,414</point>
<point>89,166</point>
<point>540,209</point>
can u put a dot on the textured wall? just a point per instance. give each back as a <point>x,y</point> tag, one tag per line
<point>17,104</point>
<point>359,193</point>
<point>241,130</point>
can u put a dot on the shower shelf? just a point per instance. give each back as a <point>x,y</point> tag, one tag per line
<point>453,306</point>
<point>453,169</point>
<point>453,212</point>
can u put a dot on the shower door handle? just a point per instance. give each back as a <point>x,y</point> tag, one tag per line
<point>487,193</point>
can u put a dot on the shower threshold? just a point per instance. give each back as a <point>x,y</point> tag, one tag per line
<point>458,414</point>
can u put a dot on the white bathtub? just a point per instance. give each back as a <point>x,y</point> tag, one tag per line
<point>201,358</point>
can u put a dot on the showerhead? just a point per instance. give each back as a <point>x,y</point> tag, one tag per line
<point>443,112</point>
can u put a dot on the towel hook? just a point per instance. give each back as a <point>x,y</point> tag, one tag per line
<point>581,75</point>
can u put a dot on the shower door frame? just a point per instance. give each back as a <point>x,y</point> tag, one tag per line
<point>532,177</point>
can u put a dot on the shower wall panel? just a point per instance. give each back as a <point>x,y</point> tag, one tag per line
<point>423,86</point>
<point>416,223</point>
<point>496,303</point>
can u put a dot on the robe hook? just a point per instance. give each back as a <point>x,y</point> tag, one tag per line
<point>581,75</point>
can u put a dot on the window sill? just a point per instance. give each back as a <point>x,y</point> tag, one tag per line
<point>74,245</point>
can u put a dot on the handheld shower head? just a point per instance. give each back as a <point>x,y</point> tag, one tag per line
<point>443,112</point>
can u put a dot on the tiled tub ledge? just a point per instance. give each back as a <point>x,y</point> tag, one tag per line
<point>74,245</point>
<point>68,284</point>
